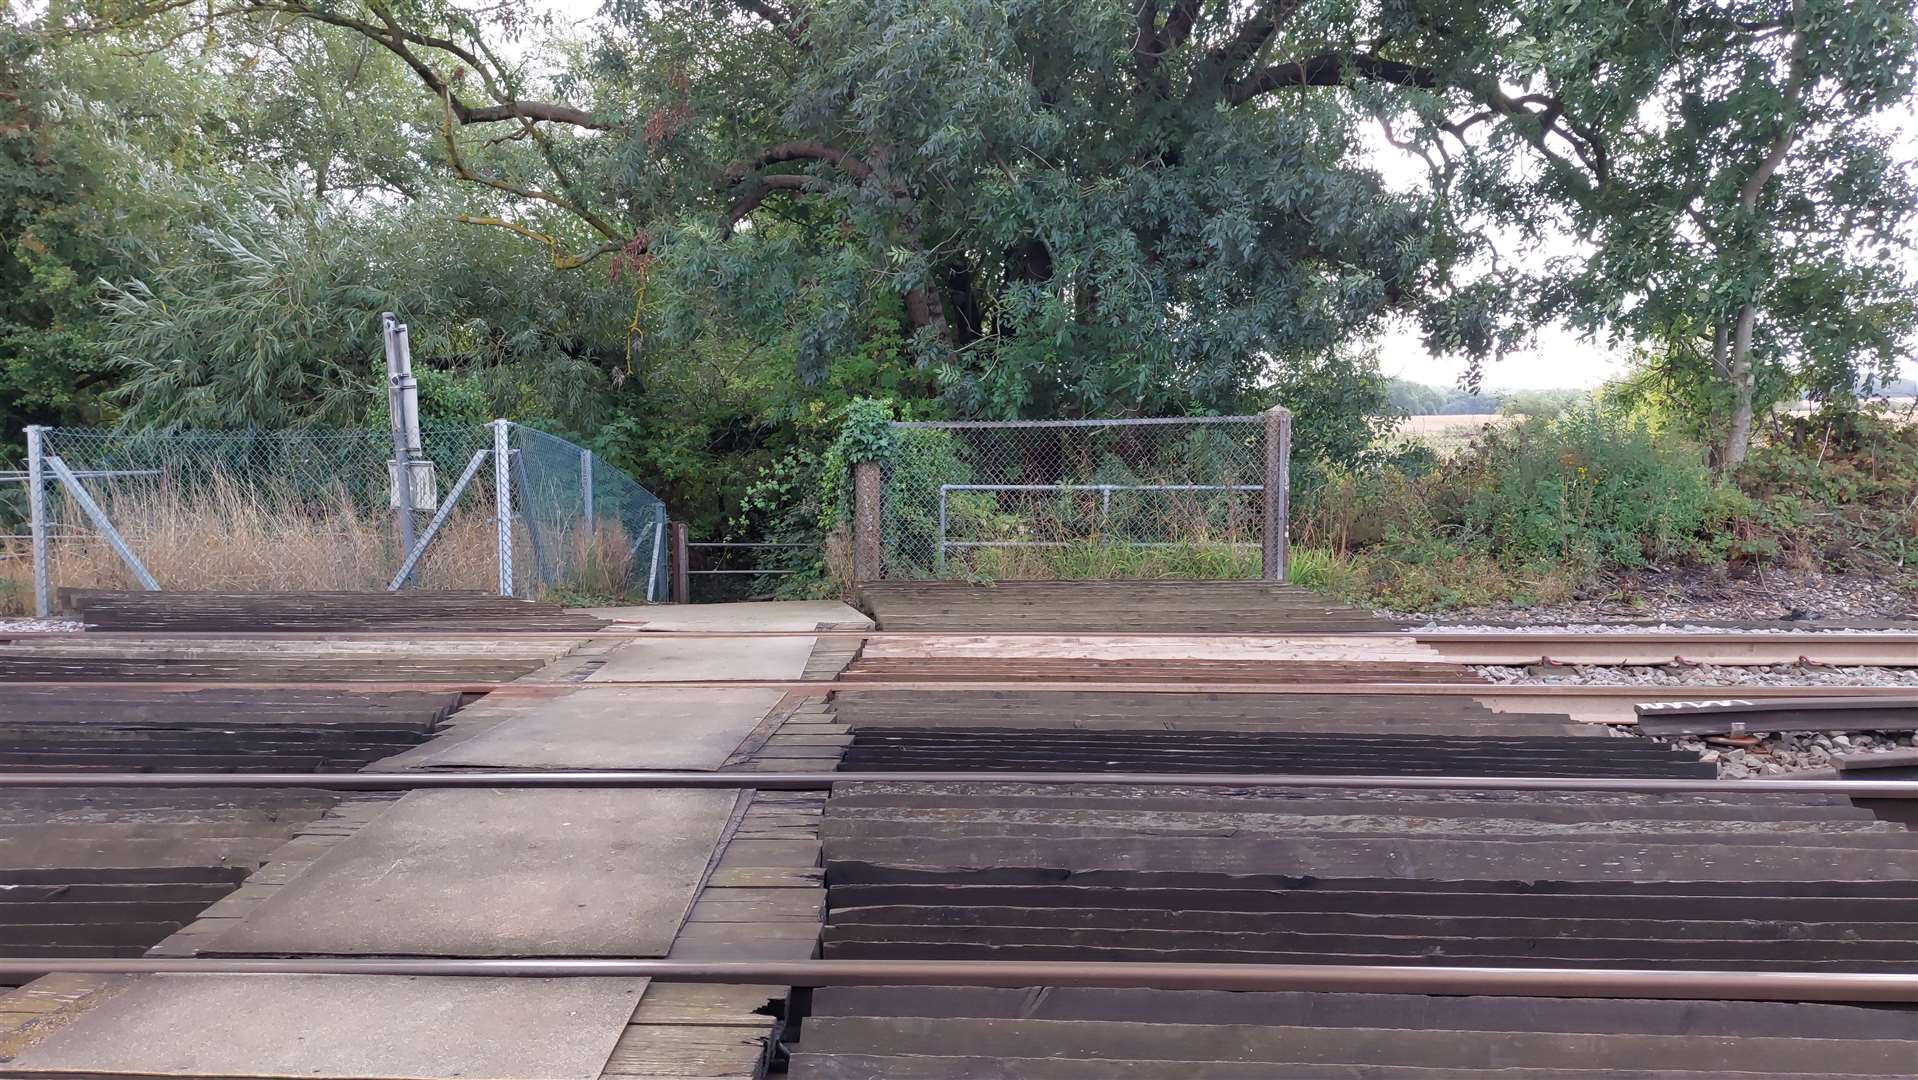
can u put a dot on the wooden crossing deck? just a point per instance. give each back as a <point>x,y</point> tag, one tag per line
<point>1532,879</point>
<point>256,612</point>
<point>1718,880</point>
<point>1195,607</point>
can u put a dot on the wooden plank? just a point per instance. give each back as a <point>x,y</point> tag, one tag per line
<point>728,1052</point>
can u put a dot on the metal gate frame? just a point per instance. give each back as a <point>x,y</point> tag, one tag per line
<point>869,483</point>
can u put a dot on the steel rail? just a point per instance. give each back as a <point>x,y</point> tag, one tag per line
<point>1105,685</point>
<point>1729,637</point>
<point>1320,978</point>
<point>824,781</point>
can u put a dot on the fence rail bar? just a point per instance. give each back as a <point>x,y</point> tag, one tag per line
<point>21,476</point>
<point>824,781</point>
<point>1102,487</point>
<point>1137,421</point>
<point>100,521</point>
<point>439,518</point>
<point>1121,543</point>
<point>1677,985</point>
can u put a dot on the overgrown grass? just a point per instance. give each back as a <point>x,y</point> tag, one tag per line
<point>228,536</point>
<point>1537,512</point>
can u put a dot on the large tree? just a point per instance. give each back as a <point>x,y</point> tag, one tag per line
<point>1754,234</point>
<point>1116,205</point>
<point>1087,205</point>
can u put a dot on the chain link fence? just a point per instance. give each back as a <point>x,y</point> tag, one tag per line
<point>317,510</point>
<point>1143,498</point>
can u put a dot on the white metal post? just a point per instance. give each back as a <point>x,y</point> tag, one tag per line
<point>503,503</point>
<point>396,374</point>
<point>37,513</point>
<point>659,546</point>
<point>586,489</point>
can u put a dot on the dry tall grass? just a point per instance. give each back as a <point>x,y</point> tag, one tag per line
<point>230,536</point>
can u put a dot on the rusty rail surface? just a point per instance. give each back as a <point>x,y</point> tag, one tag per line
<point>1325,978</point>
<point>825,781</point>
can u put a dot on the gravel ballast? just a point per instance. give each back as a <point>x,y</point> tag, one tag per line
<point>1753,755</point>
<point>1701,675</point>
<point>40,626</point>
<point>1467,630</point>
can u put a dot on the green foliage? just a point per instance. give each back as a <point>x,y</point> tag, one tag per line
<point>1751,228</point>
<point>865,433</point>
<point>700,239</point>
<point>1589,487</point>
<point>1837,490</point>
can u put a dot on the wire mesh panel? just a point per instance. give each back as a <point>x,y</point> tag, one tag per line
<point>251,510</point>
<point>1175,497</point>
<point>291,510</point>
<point>585,526</point>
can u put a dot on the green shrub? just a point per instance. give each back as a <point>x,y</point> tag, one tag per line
<point>1590,487</point>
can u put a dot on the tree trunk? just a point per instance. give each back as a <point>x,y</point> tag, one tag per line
<point>925,309</point>
<point>1736,369</point>
<point>1738,378</point>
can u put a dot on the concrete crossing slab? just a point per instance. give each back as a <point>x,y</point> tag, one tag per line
<point>672,659</point>
<point>746,615</point>
<point>490,872</point>
<point>344,1027</point>
<point>616,727</point>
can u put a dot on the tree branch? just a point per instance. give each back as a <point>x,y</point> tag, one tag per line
<point>759,188</point>
<point>792,28</point>
<point>800,150</point>
<point>1788,134</point>
<point>1329,69</point>
<point>1178,24</point>
<point>399,41</point>
<point>1253,35</point>
<point>561,260</point>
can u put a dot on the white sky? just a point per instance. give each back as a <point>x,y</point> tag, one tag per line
<point>1558,357</point>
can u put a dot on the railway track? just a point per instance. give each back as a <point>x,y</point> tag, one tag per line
<point>1058,853</point>
<point>1825,648</point>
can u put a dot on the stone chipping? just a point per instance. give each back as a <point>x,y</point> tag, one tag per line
<point>1754,754</point>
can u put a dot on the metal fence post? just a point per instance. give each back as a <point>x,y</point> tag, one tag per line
<point>682,591</point>
<point>1278,491</point>
<point>865,521</point>
<point>397,376</point>
<point>659,552</point>
<point>939,553</point>
<point>37,514</point>
<point>586,489</point>
<point>503,503</point>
